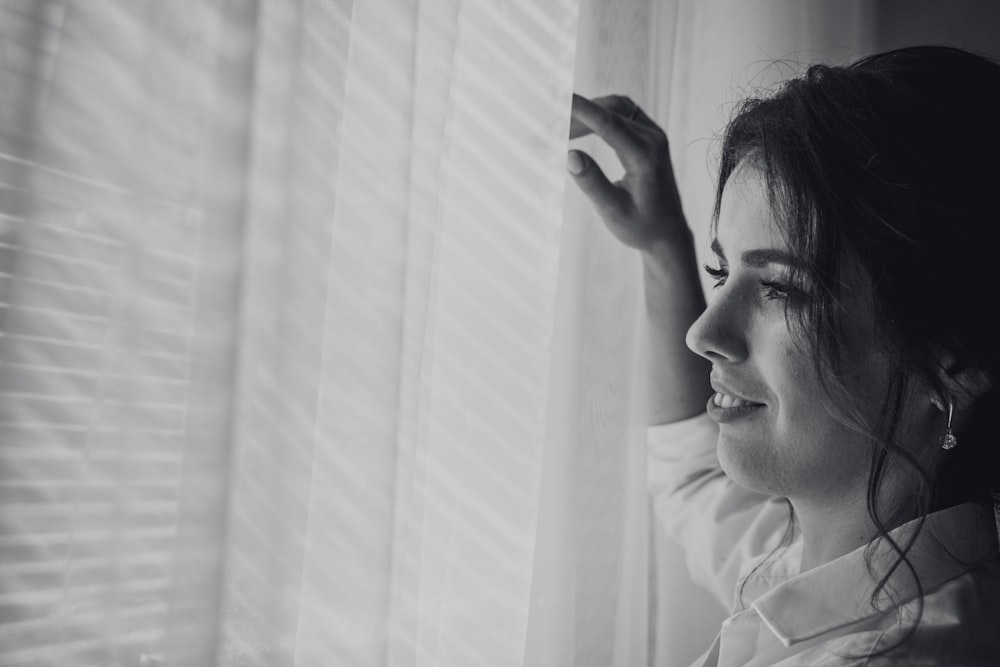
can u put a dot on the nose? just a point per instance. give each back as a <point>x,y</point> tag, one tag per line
<point>720,333</point>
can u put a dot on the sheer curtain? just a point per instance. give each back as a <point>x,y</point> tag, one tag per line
<point>309,355</point>
<point>403,225</point>
<point>122,230</point>
<point>282,364</point>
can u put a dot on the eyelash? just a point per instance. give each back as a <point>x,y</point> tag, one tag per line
<point>718,275</point>
<point>773,290</point>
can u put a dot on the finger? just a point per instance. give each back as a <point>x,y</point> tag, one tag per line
<point>611,127</point>
<point>629,110</point>
<point>577,129</point>
<point>610,201</point>
<point>639,116</point>
<point>619,104</point>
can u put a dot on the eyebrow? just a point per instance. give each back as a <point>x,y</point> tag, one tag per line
<point>760,257</point>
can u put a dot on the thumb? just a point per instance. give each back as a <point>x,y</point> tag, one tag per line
<point>610,200</point>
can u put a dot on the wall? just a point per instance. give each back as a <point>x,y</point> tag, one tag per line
<point>969,24</point>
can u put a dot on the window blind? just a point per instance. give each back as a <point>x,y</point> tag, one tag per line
<point>115,292</point>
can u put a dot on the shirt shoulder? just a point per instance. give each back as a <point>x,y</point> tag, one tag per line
<point>958,626</point>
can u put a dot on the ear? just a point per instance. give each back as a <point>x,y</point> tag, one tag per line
<point>964,384</point>
<point>967,385</point>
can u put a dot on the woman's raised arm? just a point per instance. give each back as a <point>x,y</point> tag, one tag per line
<point>643,210</point>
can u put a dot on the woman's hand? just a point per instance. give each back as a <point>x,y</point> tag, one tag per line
<point>643,209</point>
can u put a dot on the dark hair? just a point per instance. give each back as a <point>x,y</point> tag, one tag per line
<point>893,164</point>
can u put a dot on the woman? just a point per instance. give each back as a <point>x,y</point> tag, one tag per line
<point>839,493</point>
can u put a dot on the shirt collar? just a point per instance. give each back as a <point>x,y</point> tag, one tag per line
<point>836,594</point>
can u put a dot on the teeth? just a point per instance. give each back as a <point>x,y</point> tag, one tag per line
<point>727,401</point>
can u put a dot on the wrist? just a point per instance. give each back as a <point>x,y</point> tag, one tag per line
<point>672,278</point>
<point>670,255</point>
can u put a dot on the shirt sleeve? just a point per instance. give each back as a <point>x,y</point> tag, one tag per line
<point>720,525</point>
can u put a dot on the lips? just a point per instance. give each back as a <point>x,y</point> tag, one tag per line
<point>728,400</point>
<point>727,404</point>
<point>730,392</point>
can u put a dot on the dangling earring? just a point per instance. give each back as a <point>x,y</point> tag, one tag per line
<point>948,440</point>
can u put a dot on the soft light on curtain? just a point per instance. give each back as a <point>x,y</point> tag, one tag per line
<point>287,376</point>
<point>404,213</point>
<point>122,235</point>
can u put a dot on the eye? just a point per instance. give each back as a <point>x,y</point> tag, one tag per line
<point>718,275</point>
<point>776,290</point>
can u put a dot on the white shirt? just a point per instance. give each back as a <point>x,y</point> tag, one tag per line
<point>782,616</point>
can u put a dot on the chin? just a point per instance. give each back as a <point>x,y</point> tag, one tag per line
<point>746,464</point>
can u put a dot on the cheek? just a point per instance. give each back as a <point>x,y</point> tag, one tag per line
<point>794,444</point>
<point>791,374</point>
<point>819,453</point>
<point>797,447</point>
<point>802,403</point>
<point>805,421</point>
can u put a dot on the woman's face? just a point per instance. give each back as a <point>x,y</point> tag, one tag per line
<point>776,431</point>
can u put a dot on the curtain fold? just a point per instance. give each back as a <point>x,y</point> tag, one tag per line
<point>468,508</point>
<point>403,222</point>
<point>591,592</point>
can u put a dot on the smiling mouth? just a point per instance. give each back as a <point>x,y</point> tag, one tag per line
<point>725,408</point>
<point>726,401</point>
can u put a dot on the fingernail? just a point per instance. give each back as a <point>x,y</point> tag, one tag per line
<point>574,163</point>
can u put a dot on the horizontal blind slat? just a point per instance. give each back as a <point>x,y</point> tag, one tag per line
<point>106,425</point>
